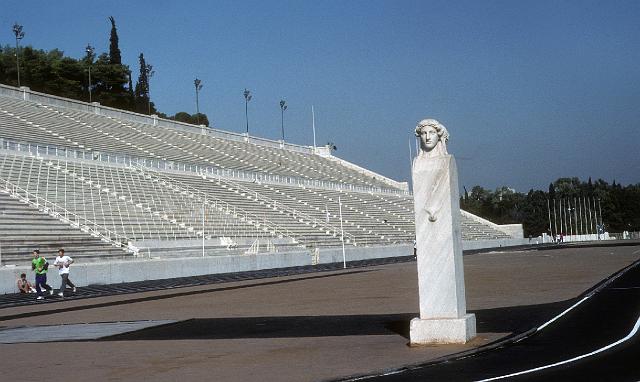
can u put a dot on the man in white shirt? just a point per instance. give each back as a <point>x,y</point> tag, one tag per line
<point>63,262</point>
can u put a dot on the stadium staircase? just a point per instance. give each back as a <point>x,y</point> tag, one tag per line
<point>25,226</point>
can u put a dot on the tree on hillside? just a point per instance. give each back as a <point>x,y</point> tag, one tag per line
<point>192,119</point>
<point>113,76</point>
<point>552,191</point>
<point>200,118</point>
<point>51,72</point>
<point>114,51</point>
<point>534,214</point>
<point>8,73</point>
<point>567,187</point>
<point>47,72</point>
<point>142,98</point>
<point>109,83</point>
<point>3,72</point>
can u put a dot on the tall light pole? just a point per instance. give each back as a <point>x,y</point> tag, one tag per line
<point>549,209</point>
<point>555,219</point>
<point>570,222</point>
<point>89,49</point>
<point>600,210</point>
<point>586,215</point>
<point>198,84</point>
<point>591,226</point>
<point>575,215</point>
<point>564,215</point>
<point>313,128</point>
<point>344,256</point>
<point>597,212</point>
<point>204,210</point>
<point>247,98</point>
<point>17,30</point>
<point>283,107</point>
<point>581,211</point>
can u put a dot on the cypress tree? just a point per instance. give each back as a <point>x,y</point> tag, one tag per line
<point>112,75</point>
<point>141,93</point>
<point>142,86</point>
<point>114,50</point>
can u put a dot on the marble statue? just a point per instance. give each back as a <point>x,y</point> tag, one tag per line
<point>443,317</point>
<point>433,138</point>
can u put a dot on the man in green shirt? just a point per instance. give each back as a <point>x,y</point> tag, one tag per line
<point>40,266</point>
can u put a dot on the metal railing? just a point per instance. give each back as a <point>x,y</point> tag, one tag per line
<point>66,216</point>
<point>157,210</point>
<point>94,197</point>
<point>296,214</point>
<point>164,165</point>
<point>212,201</point>
<point>26,94</point>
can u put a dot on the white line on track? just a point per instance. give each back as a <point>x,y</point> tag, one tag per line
<point>593,292</point>
<point>563,313</point>
<point>605,348</point>
<point>606,283</point>
<point>631,334</point>
<point>392,372</point>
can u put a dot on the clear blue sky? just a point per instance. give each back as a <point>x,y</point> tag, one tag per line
<point>530,91</point>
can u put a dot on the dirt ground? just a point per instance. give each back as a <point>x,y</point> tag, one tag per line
<point>300,328</point>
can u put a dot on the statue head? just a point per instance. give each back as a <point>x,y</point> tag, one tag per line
<point>432,134</point>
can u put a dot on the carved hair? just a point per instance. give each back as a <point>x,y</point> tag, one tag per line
<point>443,134</point>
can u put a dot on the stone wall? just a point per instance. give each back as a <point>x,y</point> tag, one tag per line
<point>156,269</point>
<point>514,230</point>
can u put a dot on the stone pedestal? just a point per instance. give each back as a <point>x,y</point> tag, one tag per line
<point>443,330</point>
<point>443,317</point>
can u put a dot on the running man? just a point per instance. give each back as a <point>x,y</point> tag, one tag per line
<point>40,266</point>
<point>63,262</point>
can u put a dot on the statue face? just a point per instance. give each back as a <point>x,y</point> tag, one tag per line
<point>428,138</point>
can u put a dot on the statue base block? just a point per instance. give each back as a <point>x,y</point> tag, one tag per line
<point>442,330</point>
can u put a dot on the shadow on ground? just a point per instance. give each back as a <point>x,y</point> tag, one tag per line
<point>500,320</point>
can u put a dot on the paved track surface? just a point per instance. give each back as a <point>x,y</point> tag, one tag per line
<point>300,327</point>
<point>597,340</point>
